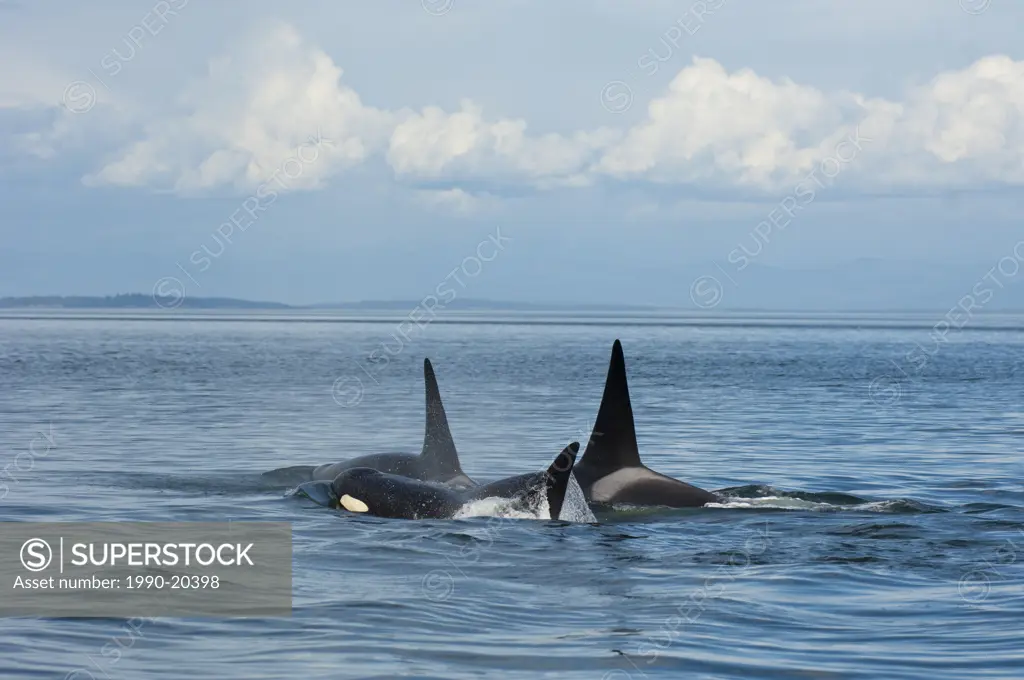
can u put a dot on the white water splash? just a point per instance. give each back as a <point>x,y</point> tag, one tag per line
<point>779,502</point>
<point>788,503</point>
<point>502,507</point>
<point>575,507</point>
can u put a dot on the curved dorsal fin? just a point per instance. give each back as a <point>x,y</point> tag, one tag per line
<point>438,444</point>
<point>558,475</point>
<point>613,444</point>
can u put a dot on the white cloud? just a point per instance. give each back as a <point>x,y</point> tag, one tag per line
<point>736,129</point>
<point>272,91</point>
<point>723,129</point>
<point>462,145</point>
<point>965,127</point>
<point>256,107</point>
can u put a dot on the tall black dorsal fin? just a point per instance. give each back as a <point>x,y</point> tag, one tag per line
<point>438,444</point>
<point>612,444</point>
<point>558,475</point>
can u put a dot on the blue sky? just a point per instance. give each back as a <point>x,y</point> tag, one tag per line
<point>623,149</point>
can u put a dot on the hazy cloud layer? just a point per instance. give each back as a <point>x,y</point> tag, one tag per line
<point>273,90</point>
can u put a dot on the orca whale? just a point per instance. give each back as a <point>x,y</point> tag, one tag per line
<point>611,471</point>
<point>438,461</point>
<point>370,491</point>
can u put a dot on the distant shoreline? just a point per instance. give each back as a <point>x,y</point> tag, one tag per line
<point>140,301</point>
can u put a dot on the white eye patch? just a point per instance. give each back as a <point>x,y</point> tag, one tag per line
<point>353,504</point>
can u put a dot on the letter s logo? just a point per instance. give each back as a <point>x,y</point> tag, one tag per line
<point>36,554</point>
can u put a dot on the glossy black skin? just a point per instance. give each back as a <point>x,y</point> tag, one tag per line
<point>390,495</point>
<point>643,486</point>
<point>611,471</point>
<point>417,467</point>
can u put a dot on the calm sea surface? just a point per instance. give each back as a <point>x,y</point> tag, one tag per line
<point>875,525</point>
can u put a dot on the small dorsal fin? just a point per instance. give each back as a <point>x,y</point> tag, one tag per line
<point>438,444</point>
<point>612,444</point>
<point>558,475</point>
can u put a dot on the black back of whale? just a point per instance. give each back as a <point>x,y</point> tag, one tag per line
<point>610,470</point>
<point>390,495</point>
<point>438,461</point>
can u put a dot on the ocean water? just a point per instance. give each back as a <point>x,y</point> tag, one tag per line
<point>873,525</point>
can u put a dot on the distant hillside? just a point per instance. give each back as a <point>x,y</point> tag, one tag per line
<point>142,301</point>
<point>474,304</point>
<point>131,301</point>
